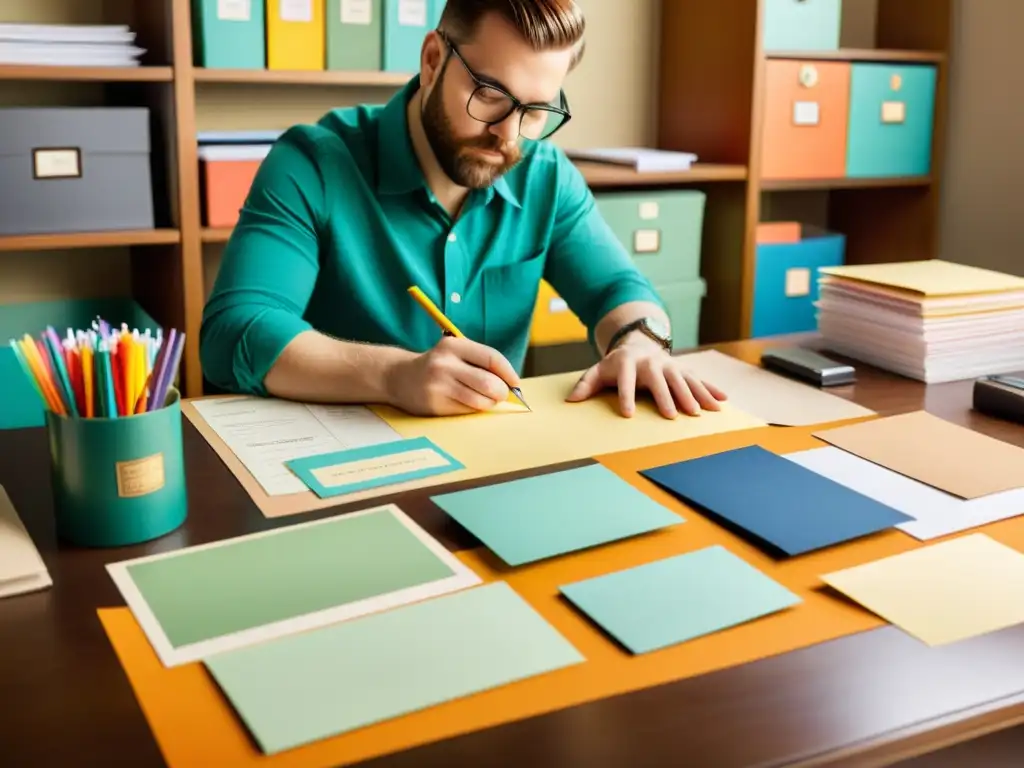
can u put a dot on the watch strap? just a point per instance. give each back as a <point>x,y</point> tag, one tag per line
<point>637,325</point>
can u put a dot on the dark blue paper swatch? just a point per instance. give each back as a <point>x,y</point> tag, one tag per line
<point>779,502</point>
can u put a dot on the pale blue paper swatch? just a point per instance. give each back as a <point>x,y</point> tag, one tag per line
<point>395,448</point>
<point>310,686</point>
<point>670,601</point>
<point>547,515</point>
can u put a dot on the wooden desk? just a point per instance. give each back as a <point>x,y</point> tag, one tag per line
<point>867,699</point>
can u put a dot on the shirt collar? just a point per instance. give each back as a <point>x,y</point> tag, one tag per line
<point>398,171</point>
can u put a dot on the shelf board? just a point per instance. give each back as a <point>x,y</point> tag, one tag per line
<point>608,175</point>
<point>216,234</point>
<point>109,239</point>
<point>299,77</point>
<point>861,54</point>
<point>99,74</point>
<point>779,185</point>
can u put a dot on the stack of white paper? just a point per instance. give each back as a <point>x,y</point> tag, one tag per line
<point>933,321</point>
<point>68,45</point>
<point>21,567</point>
<point>640,159</point>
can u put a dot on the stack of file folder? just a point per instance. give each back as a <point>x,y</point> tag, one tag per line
<point>68,45</point>
<point>933,321</point>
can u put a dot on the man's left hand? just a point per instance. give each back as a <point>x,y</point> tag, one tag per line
<point>640,363</point>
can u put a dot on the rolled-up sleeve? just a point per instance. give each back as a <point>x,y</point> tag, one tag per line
<point>587,264</point>
<point>269,269</point>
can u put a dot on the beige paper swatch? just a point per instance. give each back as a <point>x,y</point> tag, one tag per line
<point>944,455</point>
<point>944,592</point>
<point>770,396</point>
<point>509,439</point>
<point>930,277</point>
<point>21,567</point>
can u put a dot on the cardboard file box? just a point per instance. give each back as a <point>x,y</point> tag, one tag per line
<point>786,281</point>
<point>802,25</point>
<point>406,22</point>
<point>661,230</point>
<point>683,301</point>
<point>296,36</point>
<point>74,169</point>
<point>892,112</point>
<point>229,34</point>
<point>355,30</point>
<point>805,121</point>
<point>227,173</point>
<point>20,406</point>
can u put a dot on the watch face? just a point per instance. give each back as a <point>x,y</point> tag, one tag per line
<point>657,328</point>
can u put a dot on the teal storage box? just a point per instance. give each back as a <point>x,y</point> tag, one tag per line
<point>786,281</point>
<point>661,230</point>
<point>802,25</point>
<point>436,10</point>
<point>683,302</point>
<point>229,34</point>
<point>406,22</point>
<point>892,111</point>
<point>355,31</point>
<point>20,406</point>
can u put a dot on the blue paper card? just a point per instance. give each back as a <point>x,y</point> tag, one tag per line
<point>779,502</point>
<point>679,598</point>
<point>539,517</point>
<point>372,466</point>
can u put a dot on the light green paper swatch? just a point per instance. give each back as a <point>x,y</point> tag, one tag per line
<point>547,515</point>
<point>203,594</point>
<point>670,601</point>
<point>302,688</point>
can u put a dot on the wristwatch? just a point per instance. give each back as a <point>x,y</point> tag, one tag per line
<point>650,327</point>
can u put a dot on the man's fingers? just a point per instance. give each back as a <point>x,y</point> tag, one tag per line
<point>586,386</point>
<point>484,357</point>
<point>714,391</point>
<point>469,397</point>
<point>481,381</point>
<point>700,392</point>
<point>627,388</point>
<point>653,377</point>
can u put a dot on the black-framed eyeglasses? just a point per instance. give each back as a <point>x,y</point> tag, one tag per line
<point>491,104</point>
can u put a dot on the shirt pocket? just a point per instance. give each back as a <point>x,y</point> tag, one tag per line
<point>510,295</point>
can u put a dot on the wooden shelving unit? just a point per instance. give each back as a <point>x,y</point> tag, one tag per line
<point>710,102</point>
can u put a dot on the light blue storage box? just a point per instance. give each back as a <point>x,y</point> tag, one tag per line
<point>229,34</point>
<point>405,24</point>
<point>786,281</point>
<point>892,111</point>
<point>802,25</point>
<point>436,9</point>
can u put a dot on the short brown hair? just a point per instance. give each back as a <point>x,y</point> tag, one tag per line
<point>544,24</point>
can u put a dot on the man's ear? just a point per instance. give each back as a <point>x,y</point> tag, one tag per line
<point>432,57</point>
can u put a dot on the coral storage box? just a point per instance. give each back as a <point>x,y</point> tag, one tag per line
<point>786,278</point>
<point>806,119</point>
<point>802,25</point>
<point>227,176</point>
<point>74,169</point>
<point>892,111</point>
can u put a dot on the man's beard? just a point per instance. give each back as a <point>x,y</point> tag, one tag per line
<point>454,156</point>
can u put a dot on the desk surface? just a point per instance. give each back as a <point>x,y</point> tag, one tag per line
<point>66,699</point>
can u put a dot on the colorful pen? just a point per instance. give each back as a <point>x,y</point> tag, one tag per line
<point>449,328</point>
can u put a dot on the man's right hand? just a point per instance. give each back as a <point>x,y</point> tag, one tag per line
<point>456,376</point>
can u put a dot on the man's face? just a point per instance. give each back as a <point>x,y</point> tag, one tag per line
<point>472,153</point>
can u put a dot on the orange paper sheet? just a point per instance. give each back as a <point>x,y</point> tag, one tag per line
<point>194,724</point>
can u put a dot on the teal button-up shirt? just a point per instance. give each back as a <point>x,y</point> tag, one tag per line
<point>340,222</point>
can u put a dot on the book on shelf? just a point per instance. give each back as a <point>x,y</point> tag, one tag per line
<point>640,159</point>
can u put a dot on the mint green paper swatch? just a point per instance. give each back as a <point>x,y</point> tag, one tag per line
<point>547,515</point>
<point>670,601</point>
<point>310,686</point>
<point>206,593</point>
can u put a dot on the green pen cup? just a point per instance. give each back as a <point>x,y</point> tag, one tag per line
<point>118,481</point>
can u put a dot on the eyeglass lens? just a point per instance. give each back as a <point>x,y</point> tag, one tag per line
<point>490,105</point>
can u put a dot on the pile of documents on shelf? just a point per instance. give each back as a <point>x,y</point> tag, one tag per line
<point>932,320</point>
<point>68,45</point>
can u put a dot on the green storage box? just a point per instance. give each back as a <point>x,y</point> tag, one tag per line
<point>229,34</point>
<point>406,22</point>
<point>802,25</point>
<point>20,406</point>
<point>683,302</point>
<point>355,31</point>
<point>661,230</point>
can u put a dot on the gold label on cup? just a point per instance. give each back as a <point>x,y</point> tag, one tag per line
<point>139,477</point>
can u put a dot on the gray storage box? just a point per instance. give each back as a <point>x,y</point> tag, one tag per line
<point>74,169</point>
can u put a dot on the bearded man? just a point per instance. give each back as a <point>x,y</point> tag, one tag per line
<point>452,187</point>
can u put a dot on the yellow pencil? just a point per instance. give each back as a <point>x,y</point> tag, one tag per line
<point>87,379</point>
<point>449,327</point>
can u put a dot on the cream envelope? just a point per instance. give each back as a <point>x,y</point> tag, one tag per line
<point>944,592</point>
<point>21,567</point>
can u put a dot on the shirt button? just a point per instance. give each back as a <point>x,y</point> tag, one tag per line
<point>451,237</point>
<point>456,298</point>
